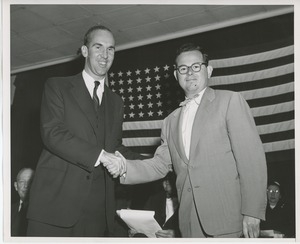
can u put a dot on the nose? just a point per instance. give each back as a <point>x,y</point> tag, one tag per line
<point>190,71</point>
<point>104,54</point>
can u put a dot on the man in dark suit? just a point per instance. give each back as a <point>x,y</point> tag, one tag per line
<point>19,208</point>
<point>81,118</point>
<point>213,144</point>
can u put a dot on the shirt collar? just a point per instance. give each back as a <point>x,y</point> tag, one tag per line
<point>90,80</point>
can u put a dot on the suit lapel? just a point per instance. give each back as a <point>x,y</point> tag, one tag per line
<point>200,119</point>
<point>83,98</point>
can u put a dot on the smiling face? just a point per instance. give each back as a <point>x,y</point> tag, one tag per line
<point>99,53</point>
<point>192,82</point>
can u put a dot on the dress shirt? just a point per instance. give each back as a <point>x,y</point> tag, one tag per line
<point>189,113</point>
<point>20,205</point>
<point>90,84</point>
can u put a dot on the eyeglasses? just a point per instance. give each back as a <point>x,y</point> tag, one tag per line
<point>196,67</point>
<point>273,191</point>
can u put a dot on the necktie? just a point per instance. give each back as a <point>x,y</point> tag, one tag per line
<point>187,100</point>
<point>95,97</point>
<point>21,206</point>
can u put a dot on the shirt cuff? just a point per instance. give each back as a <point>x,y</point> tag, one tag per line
<point>98,160</point>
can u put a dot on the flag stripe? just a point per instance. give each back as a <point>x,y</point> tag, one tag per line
<point>254,66</point>
<point>250,59</point>
<point>274,118</point>
<point>278,136</point>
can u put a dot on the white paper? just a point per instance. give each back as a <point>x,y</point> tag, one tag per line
<point>141,221</point>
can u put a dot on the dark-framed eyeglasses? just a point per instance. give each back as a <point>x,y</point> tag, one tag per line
<point>196,67</point>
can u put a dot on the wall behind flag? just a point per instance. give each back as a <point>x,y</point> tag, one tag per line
<point>256,59</point>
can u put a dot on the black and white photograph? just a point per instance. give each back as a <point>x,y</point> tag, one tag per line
<point>149,119</point>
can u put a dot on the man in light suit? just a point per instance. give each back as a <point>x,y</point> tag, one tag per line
<point>81,118</point>
<point>216,153</point>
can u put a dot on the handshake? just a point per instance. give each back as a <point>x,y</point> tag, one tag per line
<point>114,163</point>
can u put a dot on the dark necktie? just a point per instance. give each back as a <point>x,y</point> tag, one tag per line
<point>187,100</point>
<point>95,97</point>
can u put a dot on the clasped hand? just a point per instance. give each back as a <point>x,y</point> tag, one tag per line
<point>115,163</point>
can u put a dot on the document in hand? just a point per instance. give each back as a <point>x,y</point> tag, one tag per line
<point>141,221</point>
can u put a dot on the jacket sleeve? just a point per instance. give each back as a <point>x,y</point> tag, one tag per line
<point>249,155</point>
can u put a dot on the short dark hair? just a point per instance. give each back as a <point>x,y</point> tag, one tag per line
<point>87,35</point>
<point>191,47</point>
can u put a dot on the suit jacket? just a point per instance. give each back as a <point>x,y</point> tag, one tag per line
<point>71,137</point>
<point>18,219</point>
<point>226,173</point>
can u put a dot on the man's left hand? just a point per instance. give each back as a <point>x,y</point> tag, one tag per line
<point>251,227</point>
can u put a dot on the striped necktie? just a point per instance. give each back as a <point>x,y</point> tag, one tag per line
<point>95,97</point>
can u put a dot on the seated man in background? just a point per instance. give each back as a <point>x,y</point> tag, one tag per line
<point>279,214</point>
<point>165,204</point>
<point>19,208</point>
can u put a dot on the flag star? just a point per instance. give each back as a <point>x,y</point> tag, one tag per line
<point>167,75</point>
<point>160,113</point>
<point>150,105</point>
<point>128,73</point>
<point>137,72</point>
<point>140,97</point>
<point>130,98</point>
<point>121,90</point>
<point>139,80</point>
<point>114,90</point>
<point>120,73</point>
<point>147,71</point>
<point>112,83</point>
<point>140,106</point>
<point>149,96</point>
<point>157,86</point>
<point>157,77</point>
<point>158,95</point>
<point>150,113</point>
<point>148,79</point>
<point>148,88</point>
<point>131,106</point>
<point>141,114</point>
<point>131,115</point>
<point>130,89</point>
<point>124,116</point>
<point>129,81</point>
<point>139,89</point>
<point>123,98</point>
<point>166,67</point>
<point>156,69</point>
<point>112,74</point>
<point>121,82</point>
<point>159,104</point>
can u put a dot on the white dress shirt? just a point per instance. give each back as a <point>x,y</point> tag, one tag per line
<point>90,84</point>
<point>189,113</point>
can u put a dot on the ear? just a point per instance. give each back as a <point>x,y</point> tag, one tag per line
<point>16,185</point>
<point>84,51</point>
<point>175,74</point>
<point>209,71</point>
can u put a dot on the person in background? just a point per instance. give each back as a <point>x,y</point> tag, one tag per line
<point>279,215</point>
<point>164,203</point>
<point>19,208</point>
<point>72,194</point>
<point>216,152</point>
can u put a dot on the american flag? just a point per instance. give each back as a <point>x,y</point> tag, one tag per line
<point>262,71</point>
